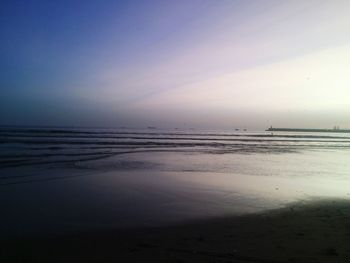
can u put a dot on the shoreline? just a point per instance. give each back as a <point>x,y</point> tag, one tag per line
<point>309,231</point>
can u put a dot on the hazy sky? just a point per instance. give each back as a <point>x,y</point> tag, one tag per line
<point>211,64</point>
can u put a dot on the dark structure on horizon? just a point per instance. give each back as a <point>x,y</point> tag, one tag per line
<point>335,129</point>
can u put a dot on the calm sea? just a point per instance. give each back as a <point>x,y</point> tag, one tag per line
<point>54,180</point>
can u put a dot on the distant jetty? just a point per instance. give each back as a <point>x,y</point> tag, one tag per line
<point>271,129</point>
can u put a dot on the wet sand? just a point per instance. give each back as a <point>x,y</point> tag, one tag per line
<point>312,231</point>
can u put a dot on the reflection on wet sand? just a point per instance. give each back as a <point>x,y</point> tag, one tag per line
<point>222,194</point>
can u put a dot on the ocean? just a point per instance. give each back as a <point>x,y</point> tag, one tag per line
<point>59,180</point>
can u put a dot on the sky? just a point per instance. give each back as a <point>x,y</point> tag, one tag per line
<point>213,64</point>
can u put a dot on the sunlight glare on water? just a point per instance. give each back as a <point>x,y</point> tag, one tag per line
<point>73,179</point>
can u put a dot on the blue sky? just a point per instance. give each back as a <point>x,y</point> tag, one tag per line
<point>206,63</point>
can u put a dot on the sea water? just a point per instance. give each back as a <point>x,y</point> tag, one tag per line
<point>58,180</point>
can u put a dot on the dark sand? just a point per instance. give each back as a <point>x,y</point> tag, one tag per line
<point>317,231</point>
